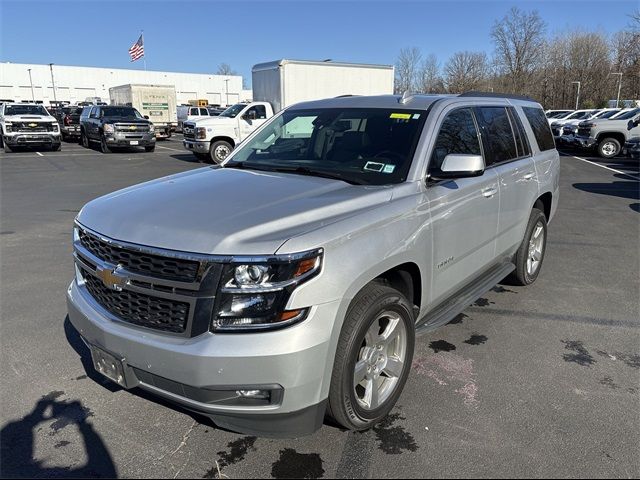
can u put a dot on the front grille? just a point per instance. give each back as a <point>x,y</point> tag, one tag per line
<point>189,131</point>
<point>139,262</point>
<point>27,127</point>
<point>584,132</point>
<point>139,309</point>
<point>131,128</point>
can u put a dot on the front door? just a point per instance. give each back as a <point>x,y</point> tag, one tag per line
<point>464,212</point>
<point>251,119</point>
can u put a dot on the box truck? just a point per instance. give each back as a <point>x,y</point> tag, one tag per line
<point>155,102</point>
<point>276,85</point>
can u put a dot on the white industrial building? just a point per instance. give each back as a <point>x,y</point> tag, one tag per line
<point>76,84</point>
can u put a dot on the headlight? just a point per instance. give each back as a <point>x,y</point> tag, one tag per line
<point>152,128</point>
<point>55,127</point>
<point>108,128</point>
<point>8,127</point>
<point>201,133</point>
<point>253,295</point>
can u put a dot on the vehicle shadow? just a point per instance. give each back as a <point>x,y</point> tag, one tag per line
<point>17,441</point>
<point>627,189</point>
<point>187,157</point>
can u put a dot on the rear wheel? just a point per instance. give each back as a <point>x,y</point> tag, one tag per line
<point>104,148</point>
<point>219,151</point>
<point>608,147</point>
<point>84,141</point>
<point>373,358</point>
<point>530,255</point>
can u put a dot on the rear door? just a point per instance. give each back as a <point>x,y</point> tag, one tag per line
<point>509,153</point>
<point>464,212</point>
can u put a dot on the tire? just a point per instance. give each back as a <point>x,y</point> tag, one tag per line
<point>1,141</point>
<point>104,148</point>
<point>219,151</point>
<point>350,404</point>
<point>55,147</point>
<point>7,148</point>
<point>84,141</point>
<point>531,250</point>
<point>608,147</point>
<point>152,148</point>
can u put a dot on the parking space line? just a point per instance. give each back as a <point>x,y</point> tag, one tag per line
<point>40,154</point>
<point>167,148</point>
<point>602,166</point>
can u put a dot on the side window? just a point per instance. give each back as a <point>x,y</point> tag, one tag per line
<point>94,112</point>
<point>193,111</point>
<point>497,136</point>
<point>458,134</point>
<point>522,145</point>
<point>204,111</point>
<point>540,126</point>
<point>257,112</point>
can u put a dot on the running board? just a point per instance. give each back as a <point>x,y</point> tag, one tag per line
<point>451,308</point>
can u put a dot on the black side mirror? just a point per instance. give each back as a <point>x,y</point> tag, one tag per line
<point>633,123</point>
<point>147,117</point>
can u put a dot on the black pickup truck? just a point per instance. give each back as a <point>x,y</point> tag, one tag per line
<point>69,121</point>
<point>116,126</point>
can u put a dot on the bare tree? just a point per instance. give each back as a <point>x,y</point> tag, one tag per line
<point>407,67</point>
<point>225,69</point>
<point>429,77</point>
<point>519,41</point>
<point>466,71</point>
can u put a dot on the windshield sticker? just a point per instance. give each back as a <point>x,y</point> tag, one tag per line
<point>403,116</point>
<point>389,168</point>
<point>374,166</point>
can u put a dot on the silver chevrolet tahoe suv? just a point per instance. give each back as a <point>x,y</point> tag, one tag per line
<point>291,281</point>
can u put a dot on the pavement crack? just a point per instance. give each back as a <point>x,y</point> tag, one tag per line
<point>185,438</point>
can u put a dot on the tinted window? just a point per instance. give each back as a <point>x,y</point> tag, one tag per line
<point>121,112</point>
<point>540,127</point>
<point>522,145</point>
<point>260,111</point>
<point>458,134</point>
<point>204,112</point>
<point>497,137</point>
<point>25,110</point>
<point>194,111</point>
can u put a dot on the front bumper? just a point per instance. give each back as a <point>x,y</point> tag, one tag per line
<point>25,139</point>
<point>71,130</point>
<point>584,142</point>
<point>119,139</point>
<point>196,146</point>
<point>185,370</point>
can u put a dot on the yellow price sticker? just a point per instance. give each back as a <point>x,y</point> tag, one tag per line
<point>403,116</point>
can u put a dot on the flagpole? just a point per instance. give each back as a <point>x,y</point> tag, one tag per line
<point>144,58</point>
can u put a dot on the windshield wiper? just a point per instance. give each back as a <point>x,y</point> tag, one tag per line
<point>317,173</point>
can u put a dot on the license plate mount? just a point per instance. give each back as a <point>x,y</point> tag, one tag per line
<point>109,365</point>
<point>133,142</point>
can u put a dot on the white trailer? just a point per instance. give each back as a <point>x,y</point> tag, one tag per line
<point>285,82</point>
<point>156,102</point>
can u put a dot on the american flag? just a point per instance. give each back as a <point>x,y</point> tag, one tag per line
<point>137,50</point>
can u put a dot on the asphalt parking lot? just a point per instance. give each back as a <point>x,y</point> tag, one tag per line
<point>541,381</point>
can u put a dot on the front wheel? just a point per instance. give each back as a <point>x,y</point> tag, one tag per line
<point>151,148</point>
<point>84,141</point>
<point>373,358</point>
<point>608,147</point>
<point>55,147</point>
<point>104,148</point>
<point>530,255</point>
<point>219,151</point>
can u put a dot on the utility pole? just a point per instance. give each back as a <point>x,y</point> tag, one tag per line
<point>33,97</point>
<point>53,83</point>
<point>578,95</point>
<point>619,87</point>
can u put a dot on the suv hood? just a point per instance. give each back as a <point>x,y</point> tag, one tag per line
<point>226,211</point>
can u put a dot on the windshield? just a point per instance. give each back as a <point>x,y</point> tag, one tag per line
<point>606,114</point>
<point>360,146</point>
<point>629,114</point>
<point>233,110</point>
<point>558,114</point>
<point>121,112</point>
<point>579,115</point>
<point>25,110</point>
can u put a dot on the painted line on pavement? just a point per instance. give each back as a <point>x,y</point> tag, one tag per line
<point>40,154</point>
<point>173,149</point>
<point>602,166</point>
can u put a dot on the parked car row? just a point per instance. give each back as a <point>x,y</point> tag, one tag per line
<point>608,132</point>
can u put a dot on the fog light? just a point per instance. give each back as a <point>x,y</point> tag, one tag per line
<point>257,394</point>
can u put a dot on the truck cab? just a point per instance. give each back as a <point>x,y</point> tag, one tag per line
<point>215,138</point>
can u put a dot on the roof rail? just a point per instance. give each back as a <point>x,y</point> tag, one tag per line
<point>347,95</point>
<point>496,95</point>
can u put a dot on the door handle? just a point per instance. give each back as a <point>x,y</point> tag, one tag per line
<point>489,192</point>
<point>528,175</point>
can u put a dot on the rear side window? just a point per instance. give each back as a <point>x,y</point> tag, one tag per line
<point>497,136</point>
<point>540,126</point>
<point>522,144</point>
<point>204,111</point>
<point>458,134</point>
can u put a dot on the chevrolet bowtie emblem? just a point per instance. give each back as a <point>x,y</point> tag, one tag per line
<point>132,127</point>
<point>33,125</point>
<point>111,278</point>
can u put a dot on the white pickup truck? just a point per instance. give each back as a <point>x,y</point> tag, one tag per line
<point>216,137</point>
